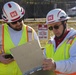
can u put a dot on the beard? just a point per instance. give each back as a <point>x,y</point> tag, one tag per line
<point>17,28</point>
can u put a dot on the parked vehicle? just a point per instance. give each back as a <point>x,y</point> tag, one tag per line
<point>72,12</point>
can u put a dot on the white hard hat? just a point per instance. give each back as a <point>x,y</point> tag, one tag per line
<point>56,15</point>
<point>12,12</point>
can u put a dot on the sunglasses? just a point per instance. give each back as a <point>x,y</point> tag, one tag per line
<point>55,27</point>
<point>20,20</point>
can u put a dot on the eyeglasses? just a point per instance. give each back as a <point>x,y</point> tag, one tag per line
<point>55,27</point>
<point>20,20</point>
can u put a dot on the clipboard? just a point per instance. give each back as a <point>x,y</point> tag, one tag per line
<point>28,56</point>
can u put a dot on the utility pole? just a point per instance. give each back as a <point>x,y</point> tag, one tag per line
<point>34,11</point>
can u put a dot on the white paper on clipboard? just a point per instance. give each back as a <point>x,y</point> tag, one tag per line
<point>28,56</point>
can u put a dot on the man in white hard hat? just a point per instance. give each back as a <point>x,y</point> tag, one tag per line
<point>13,33</point>
<point>60,51</point>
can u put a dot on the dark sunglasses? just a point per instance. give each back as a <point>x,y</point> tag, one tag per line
<point>20,20</point>
<point>55,27</point>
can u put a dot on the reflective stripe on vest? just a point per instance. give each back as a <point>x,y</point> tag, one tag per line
<point>59,73</point>
<point>29,34</point>
<point>1,40</point>
<point>61,53</point>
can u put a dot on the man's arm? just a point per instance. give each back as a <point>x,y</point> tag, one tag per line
<point>69,65</point>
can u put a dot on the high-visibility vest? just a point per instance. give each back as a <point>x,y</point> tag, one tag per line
<point>12,68</point>
<point>62,52</point>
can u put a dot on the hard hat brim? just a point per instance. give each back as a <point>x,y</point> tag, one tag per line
<point>63,19</point>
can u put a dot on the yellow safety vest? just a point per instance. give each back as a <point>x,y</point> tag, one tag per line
<point>7,44</point>
<point>62,52</point>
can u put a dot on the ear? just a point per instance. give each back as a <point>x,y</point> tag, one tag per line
<point>65,22</point>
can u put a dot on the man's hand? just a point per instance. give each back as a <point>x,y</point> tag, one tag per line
<point>49,64</point>
<point>4,60</point>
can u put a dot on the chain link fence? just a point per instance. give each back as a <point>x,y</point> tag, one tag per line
<point>39,9</point>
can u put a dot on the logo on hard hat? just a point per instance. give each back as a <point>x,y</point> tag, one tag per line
<point>50,17</point>
<point>13,14</point>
